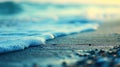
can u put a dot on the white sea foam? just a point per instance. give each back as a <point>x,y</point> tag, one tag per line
<point>37,23</point>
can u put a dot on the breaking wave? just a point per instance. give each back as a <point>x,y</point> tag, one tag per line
<point>25,24</point>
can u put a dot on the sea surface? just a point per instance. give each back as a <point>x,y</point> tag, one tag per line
<point>25,24</point>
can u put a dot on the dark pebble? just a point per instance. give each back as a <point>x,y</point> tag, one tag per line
<point>89,44</point>
<point>50,66</point>
<point>96,49</point>
<point>115,47</point>
<point>93,57</point>
<point>78,63</point>
<point>64,64</point>
<point>102,62</point>
<point>35,65</point>
<point>114,51</point>
<point>92,52</point>
<point>101,52</point>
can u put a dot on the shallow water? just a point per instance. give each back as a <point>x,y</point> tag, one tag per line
<point>35,23</point>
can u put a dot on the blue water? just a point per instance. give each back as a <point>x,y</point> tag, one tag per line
<point>35,23</point>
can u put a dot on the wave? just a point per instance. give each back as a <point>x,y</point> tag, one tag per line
<point>20,36</point>
<point>8,8</point>
<point>31,24</point>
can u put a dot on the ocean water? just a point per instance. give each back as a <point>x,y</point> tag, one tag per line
<point>25,24</point>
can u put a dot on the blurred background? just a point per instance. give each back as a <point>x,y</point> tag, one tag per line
<point>94,9</point>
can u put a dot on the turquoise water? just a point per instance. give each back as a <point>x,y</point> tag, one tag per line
<point>26,24</point>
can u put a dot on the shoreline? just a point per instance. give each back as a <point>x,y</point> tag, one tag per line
<point>106,35</point>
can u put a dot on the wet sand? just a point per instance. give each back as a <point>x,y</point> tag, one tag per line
<point>107,36</point>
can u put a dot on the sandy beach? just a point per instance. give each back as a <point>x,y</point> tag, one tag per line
<point>107,36</point>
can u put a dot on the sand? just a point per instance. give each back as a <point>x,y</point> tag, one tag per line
<point>107,36</point>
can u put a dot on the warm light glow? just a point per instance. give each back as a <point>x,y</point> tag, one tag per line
<point>93,2</point>
<point>99,2</point>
